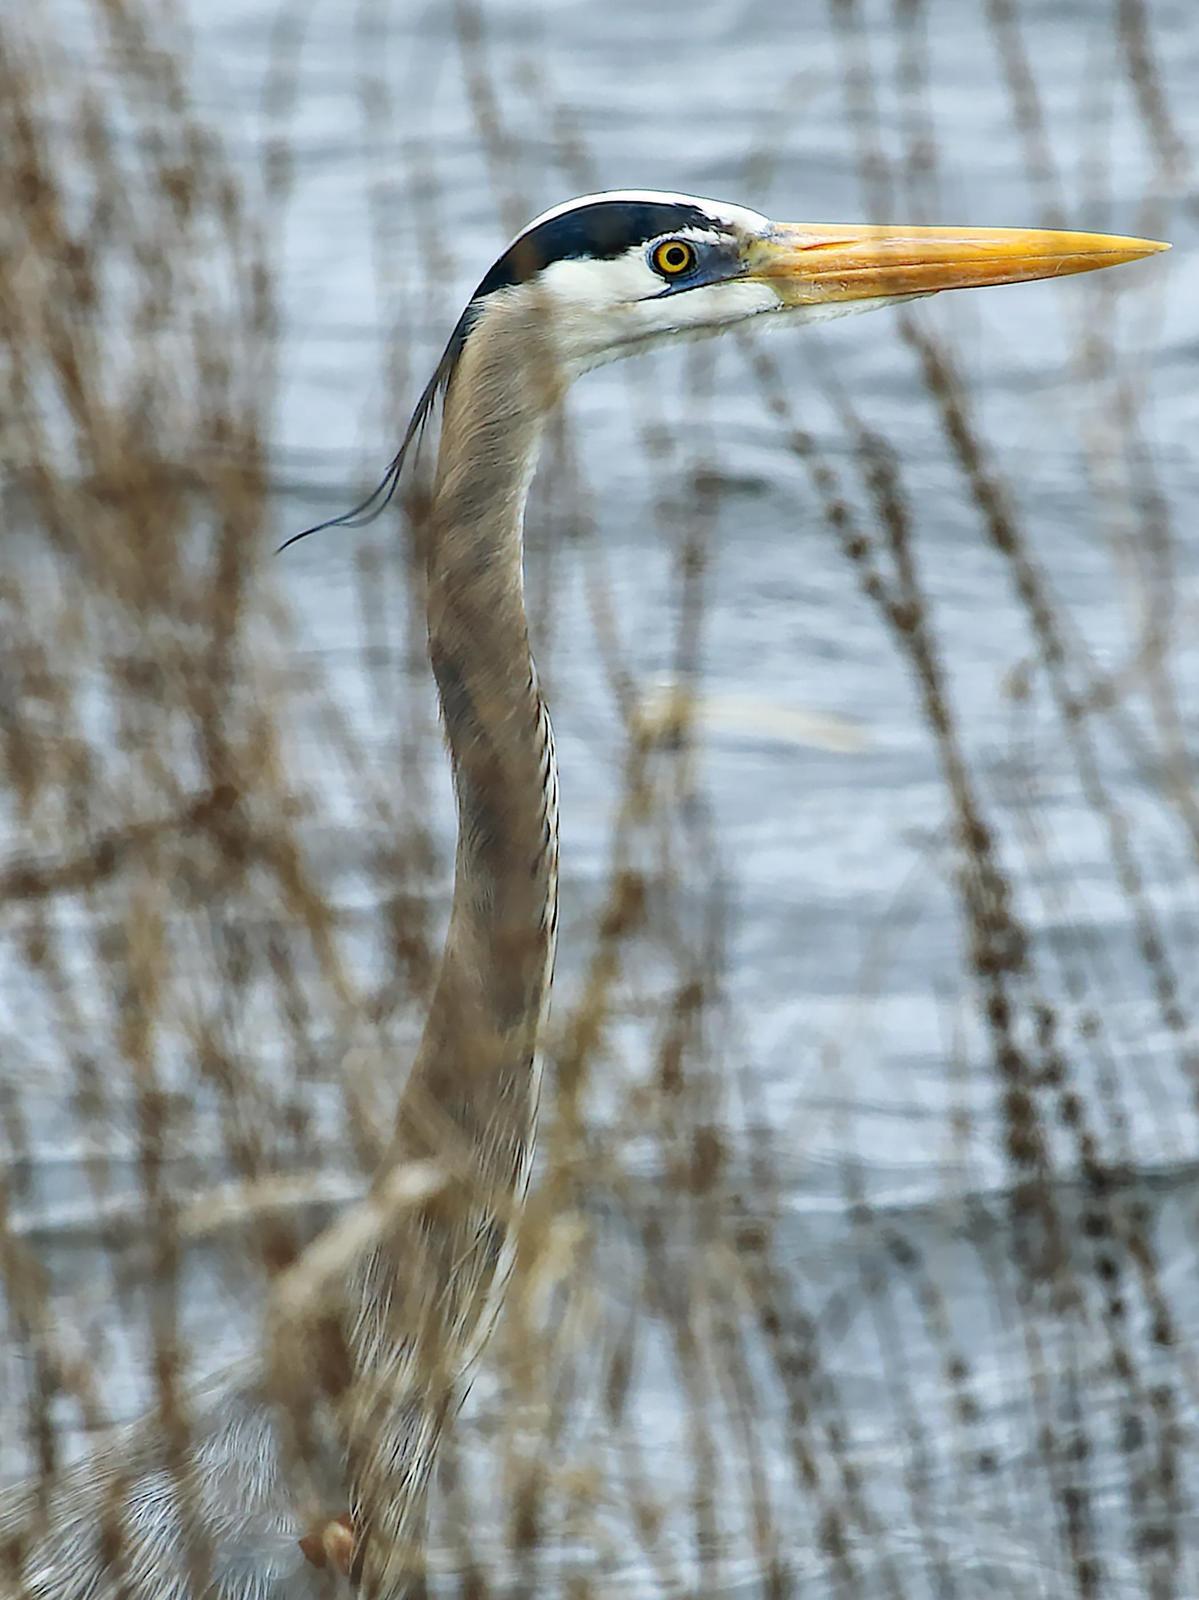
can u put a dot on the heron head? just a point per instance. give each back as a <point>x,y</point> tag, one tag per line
<point>612,274</point>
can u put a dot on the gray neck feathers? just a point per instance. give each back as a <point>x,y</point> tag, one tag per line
<point>432,1288</point>
<point>478,641</point>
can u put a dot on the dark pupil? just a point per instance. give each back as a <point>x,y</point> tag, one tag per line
<point>676,256</point>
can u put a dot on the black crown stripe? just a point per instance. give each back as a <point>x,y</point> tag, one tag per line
<point>597,232</point>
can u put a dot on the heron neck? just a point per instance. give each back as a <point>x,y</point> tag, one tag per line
<point>495,975</point>
<point>431,1286</point>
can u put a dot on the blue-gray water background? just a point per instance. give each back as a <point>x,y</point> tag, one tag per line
<point>851,1022</point>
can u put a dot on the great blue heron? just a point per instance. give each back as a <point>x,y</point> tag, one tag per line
<point>602,277</point>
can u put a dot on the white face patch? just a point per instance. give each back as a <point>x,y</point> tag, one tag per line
<point>603,311</point>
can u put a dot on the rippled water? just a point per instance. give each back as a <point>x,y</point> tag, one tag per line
<point>829,815</point>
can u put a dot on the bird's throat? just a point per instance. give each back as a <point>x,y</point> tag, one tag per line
<point>470,1103</point>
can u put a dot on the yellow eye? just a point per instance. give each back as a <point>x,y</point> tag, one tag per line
<point>673,257</point>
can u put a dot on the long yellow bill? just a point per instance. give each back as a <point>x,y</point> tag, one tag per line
<point>817,263</point>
